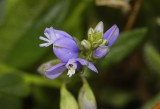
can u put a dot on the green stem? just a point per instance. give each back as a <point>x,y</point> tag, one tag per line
<point>30,78</point>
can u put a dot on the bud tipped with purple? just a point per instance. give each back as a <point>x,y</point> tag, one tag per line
<point>101,52</point>
<point>99,27</point>
<point>111,35</point>
<point>109,38</point>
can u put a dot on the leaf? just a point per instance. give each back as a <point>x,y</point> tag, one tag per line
<point>86,97</point>
<point>125,44</point>
<point>116,97</point>
<point>73,23</point>
<point>67,99</point>
<point>19,18</point>
<point>152,57</point>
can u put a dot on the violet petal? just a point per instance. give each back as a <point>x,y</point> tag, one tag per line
<point>55,71</point>
<point>54,34</point>
<point>62,33</point>
<point>65,49</point>
<point>88,64</point>
<point>111,35</point>
<point>99,27</point>
<point>92,67</point>
<point>100,52</point>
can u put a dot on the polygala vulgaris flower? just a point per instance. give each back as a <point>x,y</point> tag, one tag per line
<point>72,65</point>
<point>64,45</point>
<point>66,49</point>
<point>110,36</point>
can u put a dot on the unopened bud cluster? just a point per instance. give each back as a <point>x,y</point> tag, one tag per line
<point>96,46</point>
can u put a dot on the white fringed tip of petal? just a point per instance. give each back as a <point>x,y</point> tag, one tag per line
<point>71,72</point>
<point>47,40</point>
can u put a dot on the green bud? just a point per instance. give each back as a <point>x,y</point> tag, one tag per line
<point>86,97</point>
<point>98,35</point>
<point>67,99</point>
<point>99,27</point>
<point>100,41</point>
<point>97,43</point>
<point>86,44</point>
<point>104,43</point>
<point>42,68</point>
<point>90,34</point>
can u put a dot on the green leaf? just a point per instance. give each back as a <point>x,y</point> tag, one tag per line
<point>19,18</point>
<point>152,57</point>
<point>86,97</point>
<point>73,23</point>
<point>116,97</point>
<point>125,44</point>
<point>67,99</point>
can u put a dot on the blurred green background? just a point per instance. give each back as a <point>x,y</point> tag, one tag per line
<point>129,75</point>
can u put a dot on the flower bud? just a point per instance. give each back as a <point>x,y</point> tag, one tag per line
<point>99,27</point>
<point>100,52</point>
<point>86,44</point>
<point>90,34</point>
<point>86,97</point>
<point>104,42</point>
<point>111,35</point>
<point>67,99</point>
<point>42,69</point>
<point>97,43</point>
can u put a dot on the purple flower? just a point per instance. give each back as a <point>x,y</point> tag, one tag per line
<point>72,65</point>
<point>111,35</point>
<point>66,49</point>
<point>52,35</point>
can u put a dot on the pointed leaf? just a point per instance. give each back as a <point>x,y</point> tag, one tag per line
<point>67,99</point>
<point>125,44</point>
<point>152,57</point>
